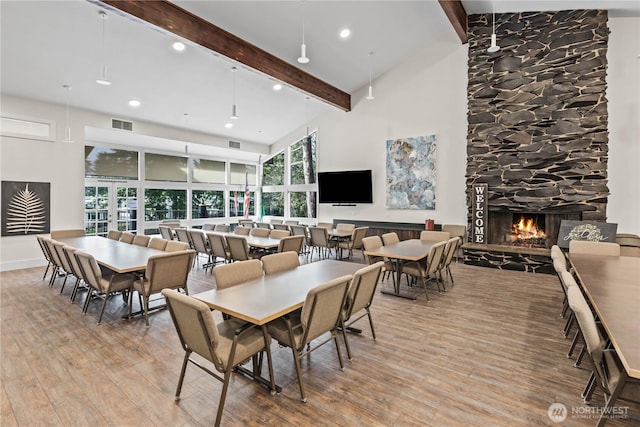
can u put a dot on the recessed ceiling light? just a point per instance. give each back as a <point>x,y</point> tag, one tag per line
<point>134,103</point>
<point>277,86</point>
<point>229,125</point>
<point>345,33</point>
<point>179,46</point>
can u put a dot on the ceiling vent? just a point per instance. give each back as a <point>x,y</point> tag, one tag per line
<point>234,144</point>
<point>121,124</point>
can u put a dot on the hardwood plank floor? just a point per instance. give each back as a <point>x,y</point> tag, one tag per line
<point>488,351</point>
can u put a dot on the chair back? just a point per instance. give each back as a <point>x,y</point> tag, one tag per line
<point>127,237</point>
<point>183,236</point>
<point>141,240</point>
<point>357,236</point>
<point>49,243</point>
<point>450,250</point>
<point>322,309</point>
<point>171,223</point>
<point>243,231</point>
<point>390,238</point>
<point>281,227</point>
<point>175,246</point>
<point>291,243</point>
<point>434,261</point>
<point>281,261</point>
<point>629,244</point>
<point>292,222</point>
<point>319,236</point>
<point>221,228</point>
<point>362,289</point>
<point>89,268</point>
<point>556,253</point>
<point>594,248</point>
<point>64,234</point>
<point>372,243</point>
<point>279,234</point>
<point>263,225</point>
<point>169,270</point>
<point>208,227</point>
<point>327,225</point>
<point>298,230</point>
<point>345,227</point>
<point>435,236</point>
<point>275,221</point>
<point>455,230</point>
<point>199,241</point>
<point>195,325</point>
<point>158,243</point>
<point>228,275</point>
<point>45,249</point>
<point>218,246</point>
<point>238,248</point>
<point>260,232</point>
<point>165,232</point>
<point>72,260</point>
<point>246,223</point>
<point>62,257</point>
<point>114,234</point>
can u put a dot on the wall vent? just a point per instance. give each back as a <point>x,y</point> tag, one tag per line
<point>234,144</point>
<point>121,124</point>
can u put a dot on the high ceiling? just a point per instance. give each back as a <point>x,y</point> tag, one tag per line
<point>48,44</point>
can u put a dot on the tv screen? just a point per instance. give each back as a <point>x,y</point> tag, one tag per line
<point>345,187</point>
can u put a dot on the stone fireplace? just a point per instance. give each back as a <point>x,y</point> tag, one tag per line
<point>537,129</point>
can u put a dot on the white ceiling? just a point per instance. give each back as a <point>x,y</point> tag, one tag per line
<point>47,44</point>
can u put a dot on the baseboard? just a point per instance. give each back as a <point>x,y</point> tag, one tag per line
<point>23,263</point>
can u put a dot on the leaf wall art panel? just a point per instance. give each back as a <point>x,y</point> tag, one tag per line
<point>25,208</point>
<point>411,173</point>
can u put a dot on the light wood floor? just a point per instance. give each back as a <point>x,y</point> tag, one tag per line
<point>488,352</point>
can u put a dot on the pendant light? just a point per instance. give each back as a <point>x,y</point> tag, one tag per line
<point>103,68</point>
<point>67,130</point>
<point>494,46</point>
<point>234,114</point>
<point>303,48</point>
<point>370,95</point>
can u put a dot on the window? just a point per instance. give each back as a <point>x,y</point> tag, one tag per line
<point>208,171</point>
<point>273,170</point>
<point>303,160</point>
<point>303,204</point>
<point>160,167</point>
<point>96,210</point>
<point>127,203</point>
<point>273,204</point>
<point>236,203</point>
<point>207,204</point>
<point>164,204</point>
<point>241,174</point>
<point>100,162</point>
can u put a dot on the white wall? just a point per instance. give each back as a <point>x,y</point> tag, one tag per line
<point>424,95</point>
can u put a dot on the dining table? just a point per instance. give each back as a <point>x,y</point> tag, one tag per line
<point>412,250</point>
<point>255,242</point>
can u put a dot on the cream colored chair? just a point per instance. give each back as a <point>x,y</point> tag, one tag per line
<point>182,234</point>
<point>127,237</point>
<point>355,242</point>
<point>372,243</point>
<point>107,284</point>
<point>594,248</point>
<point>64,234</point>
<point>321,314</point>
<point>450,250</point>
<point>226,345</point>
<point>238,248</point>
<point>260,232</point>
<point>424,270</point>
<point>140,240</point>
<point>455,230</point>
<point>164,271</point>
<point>435,236</point>
<point>629,244</point>
<point>219,249</point>
<point>301,230</point>
<point>199,242</point>
<point>327,225</point>
<point>291,243</point>
<point>291,222</point>
<point>176,246</point>
<point>274,221</point>
<point>114,234</point>
<point>171,223</point>
<point>362,289</point>
<point>158,243</point>
<point>264,225</point>
<point>47,255</point>
<point>345,227</point>
<point>279,234</point>
<point>233,274</point>
<point>242,231</point>
<point>320,241</point>
<point>165,232</point>
<point>390,238</point>
<point>208,227</point>
<point>282,261</point>
<point>221,228</point>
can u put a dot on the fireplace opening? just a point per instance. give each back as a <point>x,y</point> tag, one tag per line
<point>528,230</point>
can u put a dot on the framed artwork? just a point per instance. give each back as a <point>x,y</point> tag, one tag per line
<point>25,208</point>
<point>411,173</point>
<point>594,231</point>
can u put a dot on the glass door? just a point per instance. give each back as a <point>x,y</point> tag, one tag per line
<point>110,206</point>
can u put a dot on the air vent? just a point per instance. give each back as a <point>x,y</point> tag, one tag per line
<point>234,144</point>
<point>121,124</point>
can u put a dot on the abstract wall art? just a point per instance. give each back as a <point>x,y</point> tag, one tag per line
<point>411,173</point>
<point>25,208</point>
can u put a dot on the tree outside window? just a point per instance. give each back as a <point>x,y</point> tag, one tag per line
<point>207,204</point>
<point>165,204</point>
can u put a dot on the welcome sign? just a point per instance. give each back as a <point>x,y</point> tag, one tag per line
<point>479,212</point>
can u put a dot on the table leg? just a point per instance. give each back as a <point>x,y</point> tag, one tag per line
<point>396,286</point>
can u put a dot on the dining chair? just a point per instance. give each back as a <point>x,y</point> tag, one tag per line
<point>199,242</point>
<point>327,225</point>
<point>456,230</point>
<point>164,271</point>
<point>292,222</point>
<point>58,269</point>
<point>560,265</point>
<point>568,281</point>
<point>65,234</point>
<point>291,243</point>
<point>594,248</point>
<point>246,223</point>
<point>114,234</point>
<point>263,225</point>
<point>226,345</point>
<point>371,243</point>
<point>260,232</point>
<point>281,261</point>
<point>47,255</point>
<point>76,271</point>
<point>284,227</point>
<point>65,263</point>
<point>208,227</point>
<point>274,221</point>
<point>219,248</point>
<point>362,289</point>
<point>176,246</point>
<point>279,234</point>
<point>390,238</point>
<point>127,237</point>
<point>141,240</point>
<point>158,243</point>
<point>238,248</point>
<point>321,314</point>
<point>165,232</point>
<point>221,228</point>
<point>301,230</point>
<point>232,274</point>
<point>97,281</point>
<point>182,234</point>
<point>171,223</point>
<point>320,241</point>
<point>243,231</point>
<point>429,268</point>
<point>355,242</point>
<point>629,244</point>
<point>345,227</point>
<point>450,250</point>
<point>435,236</point>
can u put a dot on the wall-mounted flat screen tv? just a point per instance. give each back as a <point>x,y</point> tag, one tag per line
<point>345,187</point>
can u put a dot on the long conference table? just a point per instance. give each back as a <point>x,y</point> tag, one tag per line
<point>405,251</point>
<point>612,284</point>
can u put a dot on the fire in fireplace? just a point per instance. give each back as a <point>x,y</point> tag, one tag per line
<point>527,230</point>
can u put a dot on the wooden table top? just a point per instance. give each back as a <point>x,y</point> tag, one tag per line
<point>341,234</point>
<point>117,256</point>
<point>408,250</point>
<point>262,300</point>
<point>612,284</point>
<point>253,241</point>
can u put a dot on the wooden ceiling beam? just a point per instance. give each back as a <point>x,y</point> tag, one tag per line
<point>457,16</point>
<point>176,20</point>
